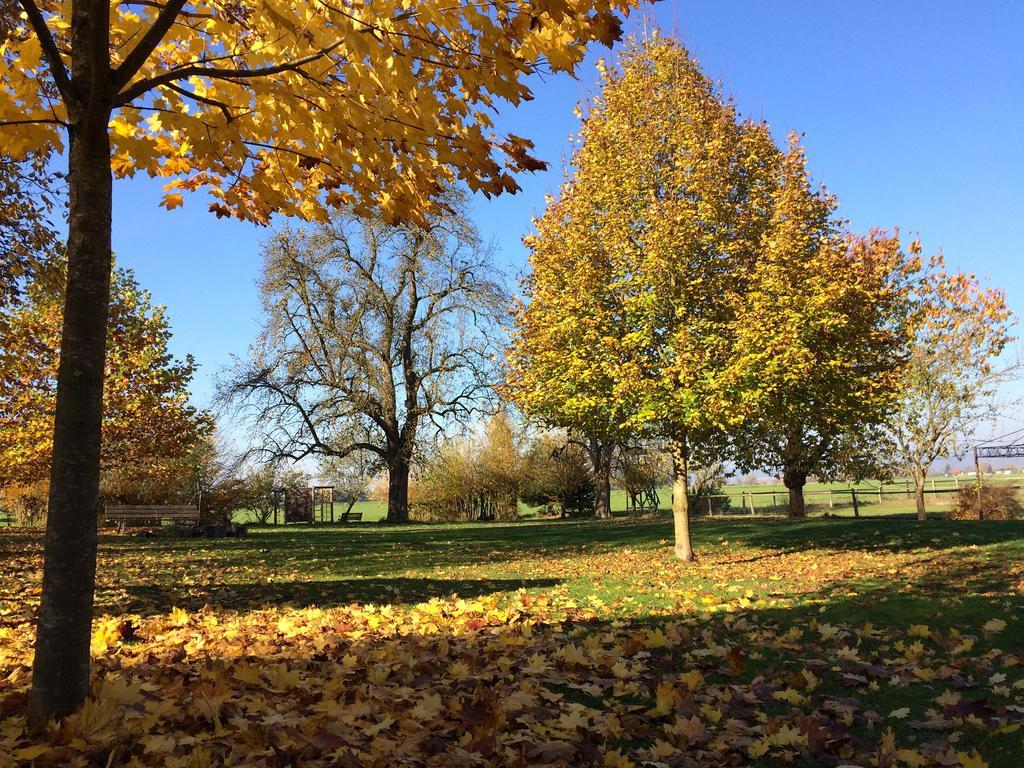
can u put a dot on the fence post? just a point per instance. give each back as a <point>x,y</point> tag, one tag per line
<point>956,480</point>
<point>879,491</point>
<point>906,487</point>
<point>775,510</point>
<point>709,505</point>
<point>933,483</point>
<point>856,507</point>
<point>751,499</point>
<point>830,504</point>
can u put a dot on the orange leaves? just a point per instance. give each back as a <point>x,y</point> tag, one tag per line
<point>148,420</point>
<point>271,104</point>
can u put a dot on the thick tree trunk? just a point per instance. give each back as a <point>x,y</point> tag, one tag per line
<point>681,500</point>
<point>398,490</point>
<point>795,480</point>
<point>601,458</point>
<point>60,671</point>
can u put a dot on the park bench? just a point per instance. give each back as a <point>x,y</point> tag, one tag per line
<point>122,514</point>
<point>351,517</point>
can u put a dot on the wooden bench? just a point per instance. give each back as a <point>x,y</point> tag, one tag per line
<point>351,517</point>
<point>122,514</point>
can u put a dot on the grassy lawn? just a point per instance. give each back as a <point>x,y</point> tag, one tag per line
<point>825,642</point>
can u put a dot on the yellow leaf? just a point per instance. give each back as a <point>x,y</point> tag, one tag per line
<point>31,753</point>
<point>992,626</point>
<point>972,760</point>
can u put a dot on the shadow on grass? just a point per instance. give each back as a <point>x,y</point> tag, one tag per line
<point>149,599</point>
<point>864,534</point>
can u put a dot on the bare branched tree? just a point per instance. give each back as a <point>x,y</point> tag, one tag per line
<point>374,333</point>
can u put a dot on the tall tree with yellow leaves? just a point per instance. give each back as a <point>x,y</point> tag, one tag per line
<point>271,107</point>
<point>149,424</point>
<point>640,267</point>
<point>822,337</point>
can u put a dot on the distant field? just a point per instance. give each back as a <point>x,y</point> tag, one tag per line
<point>896,498</point>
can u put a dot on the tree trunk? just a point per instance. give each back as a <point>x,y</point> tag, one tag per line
<point>398,490</point>
<point>919,495</point>
<point>601,458</point>
<point>60,670</point>
<point>794,480</point>
<point>681,500</point>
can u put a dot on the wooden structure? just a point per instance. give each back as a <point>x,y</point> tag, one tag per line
<point>351,517</point>
<point>643,501</point>
<point>307,505</point>
<point>322,499</point>
<point>122,514</point>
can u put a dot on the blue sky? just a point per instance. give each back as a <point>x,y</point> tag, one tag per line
<point>912,113</point>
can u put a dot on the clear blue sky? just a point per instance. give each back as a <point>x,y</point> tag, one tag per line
<point>913,114</point>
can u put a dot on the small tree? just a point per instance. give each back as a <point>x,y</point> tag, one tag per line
<point>954,374</point>
<point>473,479</point>
<point>822,336</point>
<point>150,424</point>
<point>350,476</point>
<point>559,477</point>
<point>373,333</point>
<point>641,467</point>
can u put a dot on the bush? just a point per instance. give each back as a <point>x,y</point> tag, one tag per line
<point>476,479</point>
<point>559,478</point>
<point>997,503</point>
<point>26,504</point>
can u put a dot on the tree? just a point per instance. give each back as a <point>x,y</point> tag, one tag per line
<point>271,107</point>
<point>266,485</point>
<point>639,468</point>
<point>149,422</point>
<point>640,266</point>
<point>954,374</point>
<point>350,476</point>
<point>373,333</point>
<point>559,476</point>
<point>478,478</point>
<point>822,338</point>
<point>26,235</point>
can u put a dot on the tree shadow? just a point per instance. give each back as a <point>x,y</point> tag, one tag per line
<point>151,599</point>
<point>866,534</point>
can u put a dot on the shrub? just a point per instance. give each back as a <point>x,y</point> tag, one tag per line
<point>475,479</point>
<point>559,477</point>
<point>998,502</point>
<point>26,504</point>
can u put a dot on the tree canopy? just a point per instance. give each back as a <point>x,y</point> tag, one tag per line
<point>822,337</point>
<point>952,381</point>
<point>292,106</point>
<point>150,423</point>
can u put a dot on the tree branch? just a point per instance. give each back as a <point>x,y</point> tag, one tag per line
<point>220,73</point>
<point>133,62</point>
<point>50,52</point>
